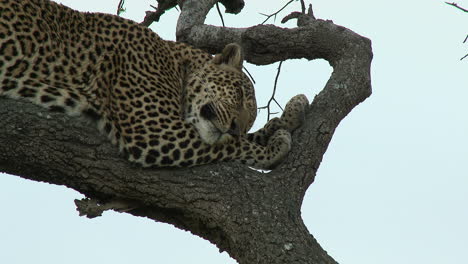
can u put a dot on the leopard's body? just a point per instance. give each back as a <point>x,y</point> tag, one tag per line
<point>163,103</point>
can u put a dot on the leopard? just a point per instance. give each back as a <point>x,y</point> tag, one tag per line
<point>163,103</point>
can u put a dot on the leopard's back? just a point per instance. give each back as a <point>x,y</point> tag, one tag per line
<point>92,63</point>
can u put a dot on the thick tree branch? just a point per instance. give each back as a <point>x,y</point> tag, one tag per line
<point>213,201</point>
<point>225,203</point>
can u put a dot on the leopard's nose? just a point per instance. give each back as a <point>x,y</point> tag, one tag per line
<point>234,129</point>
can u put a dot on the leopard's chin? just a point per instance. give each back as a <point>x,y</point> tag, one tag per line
<point>214,136</point>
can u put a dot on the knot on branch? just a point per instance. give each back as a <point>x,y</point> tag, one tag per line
<point>303,18</point>
<point>92,208</point>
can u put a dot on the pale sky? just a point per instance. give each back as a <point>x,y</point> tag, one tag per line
<point>392,187</point>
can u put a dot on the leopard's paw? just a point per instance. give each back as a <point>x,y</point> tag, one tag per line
<point>295,111</point>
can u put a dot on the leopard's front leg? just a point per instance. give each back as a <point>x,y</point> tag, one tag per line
<point>265,156</point>
<point>267,147</point>
<point>264,149</point>
<point>240,149</point>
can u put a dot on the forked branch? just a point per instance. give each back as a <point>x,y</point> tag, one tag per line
<point>272,98</point>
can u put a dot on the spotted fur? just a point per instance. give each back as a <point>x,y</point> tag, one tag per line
<point>164,103</point>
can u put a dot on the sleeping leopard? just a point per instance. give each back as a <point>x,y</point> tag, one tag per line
<point>163,103</point>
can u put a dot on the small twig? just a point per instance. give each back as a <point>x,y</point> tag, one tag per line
<point>276,13</point>
<point>310,12</point>
<point>303,8</point>
<point>120,7</point>
<point>303,18</point>
<point>219,13</point>
<point>250,75</point>
<point>457,6</point>
<point>272,99</point>
<point>293,15</point>
<point>276,83</point>
<point>464,41</point>
<point>464,10</point>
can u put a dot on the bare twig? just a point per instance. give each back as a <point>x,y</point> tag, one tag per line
<point>272,99</point>
<point>464,41</point>
<point>464,10</point>
<point>276,13</point>
<point>250,75</point>
<point>120,7</point>
<point>310,11</point>
<point>220,15</point>
<point>457,6</point>
<point>293,15</point>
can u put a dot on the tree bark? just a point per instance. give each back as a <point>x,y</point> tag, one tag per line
<point>253,216</point>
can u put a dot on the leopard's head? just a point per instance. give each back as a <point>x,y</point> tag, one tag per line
<point>220,100</point>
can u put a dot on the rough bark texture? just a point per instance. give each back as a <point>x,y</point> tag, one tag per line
<point>255,217</point>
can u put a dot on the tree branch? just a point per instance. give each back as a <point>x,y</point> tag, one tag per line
<point>232,6</point>
<point>120,7</point>
<point>457,6</point>
<point>464,10</point>
<point>154,16</point>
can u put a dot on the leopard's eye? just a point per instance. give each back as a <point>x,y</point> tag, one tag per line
<point>207,111</point>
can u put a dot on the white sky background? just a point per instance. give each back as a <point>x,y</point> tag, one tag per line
<point>392,187</point>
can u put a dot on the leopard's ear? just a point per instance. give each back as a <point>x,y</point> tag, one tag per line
<point>231,55</point>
